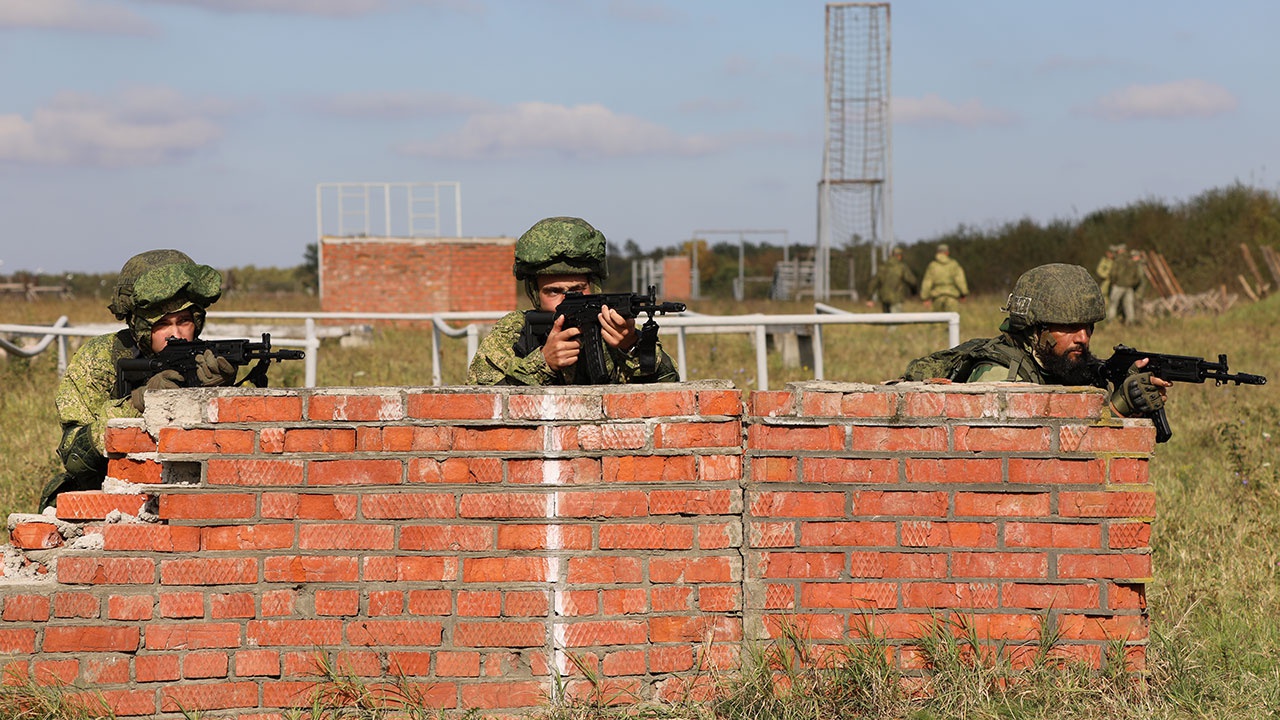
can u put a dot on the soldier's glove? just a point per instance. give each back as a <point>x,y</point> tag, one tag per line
<point>212,370</point>
<point>163,380</point>
<point>1137,395</point>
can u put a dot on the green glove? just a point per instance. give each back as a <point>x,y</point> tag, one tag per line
<point>212,370</point>
<point>1137,395</point>
<point>164,380</point>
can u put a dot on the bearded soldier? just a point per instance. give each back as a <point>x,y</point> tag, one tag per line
<point>160,294</point>
<point>1045,340</point>
<point>556,256</point>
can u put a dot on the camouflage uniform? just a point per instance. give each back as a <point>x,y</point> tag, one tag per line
<point>944,283</point>
<point>1055,294</point>
<point>151,285</point>
<point>511,354</point>
<point>893,283</point>
<point>1103,271</point>
<point>1128,279</point>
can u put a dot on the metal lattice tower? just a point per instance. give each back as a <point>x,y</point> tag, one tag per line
<point>855,192</point>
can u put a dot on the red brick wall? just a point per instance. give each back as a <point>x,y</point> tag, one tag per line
<point>473,539</point>
<point>677,278</point>
<point>416,274</point>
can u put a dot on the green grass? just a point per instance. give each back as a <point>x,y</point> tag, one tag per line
<point>1214,603</point>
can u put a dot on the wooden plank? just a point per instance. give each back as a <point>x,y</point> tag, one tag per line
<point>1272,258</point>
<point>1253,267</point>
<point>1156,268</point>
<point>1168,271</point>
<point>1247,290</point>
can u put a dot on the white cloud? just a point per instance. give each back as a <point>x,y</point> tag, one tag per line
<point>77,15</point>
<point>329,8</point>
<point>934,110</point>
<point>1183,98</point>
<point>398,105</point>
<point>580,132</point>
<point>140,126</point>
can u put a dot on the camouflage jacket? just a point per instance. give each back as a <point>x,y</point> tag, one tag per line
<point>943,278</point>
<point>894,282</point>
<point>86,401</point>
<point>499,362</point>
<point>1127,272</point>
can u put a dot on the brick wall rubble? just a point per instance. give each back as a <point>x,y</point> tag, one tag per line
<point>479,540</point>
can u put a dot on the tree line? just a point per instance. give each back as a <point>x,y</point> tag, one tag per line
<point>1200,238</point>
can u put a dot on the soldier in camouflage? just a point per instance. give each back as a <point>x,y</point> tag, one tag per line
<point>892,284</point>
<point>1128,278</point>
<point>160,294</point>
<point>555,256</point>
<point>1045,340</point>
<point>944,284</point>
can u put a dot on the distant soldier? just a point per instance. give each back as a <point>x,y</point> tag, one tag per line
<point>160,294</point>
<point>1128,280</point>
<point>1103,270</point>
<point>892,284</point>
<point>944,285</point>
<point>556,256</point>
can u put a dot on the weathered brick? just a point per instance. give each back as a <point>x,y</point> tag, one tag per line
<point>455,406</point>
<point>125,440</point>
<point>358,408</point>
<point>222,441</point>
<point>255,408</point>
<point>96,505</point>
<point>354,472</point>
<point>208,506</point>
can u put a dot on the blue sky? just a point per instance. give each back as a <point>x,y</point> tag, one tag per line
<point>206,124</point>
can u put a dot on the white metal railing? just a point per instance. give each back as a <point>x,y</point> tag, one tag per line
<point>757,324</point>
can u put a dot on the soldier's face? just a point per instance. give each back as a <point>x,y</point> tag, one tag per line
<point>1069,342</point>
<point>1064,351</point>
<point>551,289</point>
<point>181,324</point>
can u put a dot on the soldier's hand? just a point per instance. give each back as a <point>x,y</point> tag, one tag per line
<point>212,370</point>
<point>163,380</point>
<point>562,345</point>
<point>1141,393</point>
<point>618,332</point>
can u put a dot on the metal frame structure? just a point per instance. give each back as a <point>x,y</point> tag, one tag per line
<point>740,284</point>
<point>418,210</point>
<point>857,145</point>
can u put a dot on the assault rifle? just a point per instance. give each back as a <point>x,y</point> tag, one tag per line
<point>1174,368</point>
<point>581,311</point>
<point>180,355</point>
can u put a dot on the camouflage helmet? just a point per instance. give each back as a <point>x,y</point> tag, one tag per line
<point>158,282</point>
<point>1054,294</point>
<point>561,246</point>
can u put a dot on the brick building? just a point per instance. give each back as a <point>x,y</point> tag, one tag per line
<point>390,274</point>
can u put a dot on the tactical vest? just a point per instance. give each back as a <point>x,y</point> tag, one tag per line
<point>958,363</point>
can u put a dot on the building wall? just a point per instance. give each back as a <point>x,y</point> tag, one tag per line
<point>475,539</point>
<point>416,274</point>
<point>677,278</point>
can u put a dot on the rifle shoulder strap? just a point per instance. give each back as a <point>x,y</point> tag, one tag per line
<point>647,347</point>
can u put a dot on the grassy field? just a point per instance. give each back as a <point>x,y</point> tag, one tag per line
<point>1214,604</point>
